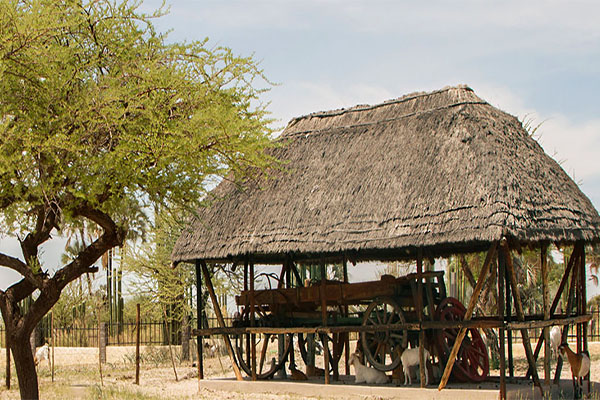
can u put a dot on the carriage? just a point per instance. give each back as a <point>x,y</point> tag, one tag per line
<point>384,312</point>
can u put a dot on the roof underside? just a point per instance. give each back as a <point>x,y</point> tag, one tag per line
<point>442,171</point>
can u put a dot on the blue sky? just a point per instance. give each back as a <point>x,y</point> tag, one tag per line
<point>538,60</point>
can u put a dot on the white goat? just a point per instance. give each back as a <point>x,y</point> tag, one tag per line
<point>366,374</point>
<point>410,358</point>
<point>41,354</point>
<point>555,339</point>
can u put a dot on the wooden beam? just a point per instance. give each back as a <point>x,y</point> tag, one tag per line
<point>347,338</point>
<point>541,324</point>
<point>217,309</point>
<point>520,314</point>
<point>419,306</point>
<point>324,322</point>
<point>469,313</point>
<point>252,322</point>
<point>585,309</point>
<point>509,335</point>
<point>501,332</point>
<point>546,305</point>
<point>200,313</point>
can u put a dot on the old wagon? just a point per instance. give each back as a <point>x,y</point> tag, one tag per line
<point>389,306</point>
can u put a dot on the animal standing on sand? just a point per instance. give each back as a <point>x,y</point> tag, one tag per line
<point>580,366</point>
<point>555,340</point>
<point>410,358</point>
<point>366,374</point>
<point>41,354</point>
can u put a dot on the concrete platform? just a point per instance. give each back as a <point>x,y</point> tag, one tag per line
<point>346,389</point>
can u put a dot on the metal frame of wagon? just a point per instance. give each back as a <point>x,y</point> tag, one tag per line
<point>552,210</point>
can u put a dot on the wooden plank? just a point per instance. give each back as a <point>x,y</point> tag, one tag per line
<point>546,305</point>
<point>541,324</point>
<point>469,314</point>
<point>412,326</point>
<point>508,311</point>
<point>501,281</point>
<point>323,287</point>
<point>520,315</point>
<point>419,305</point>
<point>217,309</point>
<point>347,338</point>
<point>199,319</point>
<point>252,321</point>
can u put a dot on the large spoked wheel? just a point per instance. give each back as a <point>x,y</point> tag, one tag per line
<point>472,362</point>
<point>335,347</point>
<point>268,361</point>
<point>382,348</point>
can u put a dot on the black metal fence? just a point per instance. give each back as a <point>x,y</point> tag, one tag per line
<point>151,333</point>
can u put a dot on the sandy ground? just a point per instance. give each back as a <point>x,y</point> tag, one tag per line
<point>77,376</point>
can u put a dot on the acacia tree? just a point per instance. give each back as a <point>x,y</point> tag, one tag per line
<point>100,115</point>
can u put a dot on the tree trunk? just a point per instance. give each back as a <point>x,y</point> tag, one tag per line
<point>23,358</point>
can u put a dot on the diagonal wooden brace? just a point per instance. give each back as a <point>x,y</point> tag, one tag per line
<point>213,297</point>
<point>469,313</point>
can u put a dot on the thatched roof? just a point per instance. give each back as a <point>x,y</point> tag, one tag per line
<point>444,171</point>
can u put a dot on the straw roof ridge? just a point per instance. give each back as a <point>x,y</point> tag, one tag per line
<point>443,170</point>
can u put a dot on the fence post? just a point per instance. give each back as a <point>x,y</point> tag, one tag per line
<point>102,341</point>
<point>137,344</point>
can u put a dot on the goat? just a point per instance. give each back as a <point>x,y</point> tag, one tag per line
<point>410,358</point>
<point>296,374</point>
<point>366,374</point>
<point>41,354</point>
<point>555,339</point>
<point>580,365</point>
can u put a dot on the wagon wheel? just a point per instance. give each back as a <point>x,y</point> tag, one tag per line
<point>268,344</point>
<point>335,346</point>
<point>472,362</point>
<point>381,348</point>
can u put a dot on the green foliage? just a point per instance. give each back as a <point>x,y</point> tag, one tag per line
<point>97,108</point>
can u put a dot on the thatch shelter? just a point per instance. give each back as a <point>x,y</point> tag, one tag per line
<point>424,175</point>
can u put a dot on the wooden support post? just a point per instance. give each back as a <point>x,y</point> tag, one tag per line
<point>252,323</point>
<point>469,313</point>
<point>570,298</point>
<point>324,322</point>
<point>200,313</point>
<point>502,331</point>
<point>137,344</point>
<point>520,314</point>
<point>347,339</point>
<point>546,301</point>
<point>508,311</point>
<point>247,347</point>
<point>213,297</point>
<point>555,303</point>
<point>419,306</point>
<point>585,308</point>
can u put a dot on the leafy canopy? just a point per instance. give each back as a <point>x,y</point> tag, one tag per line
<point>99,111</point>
